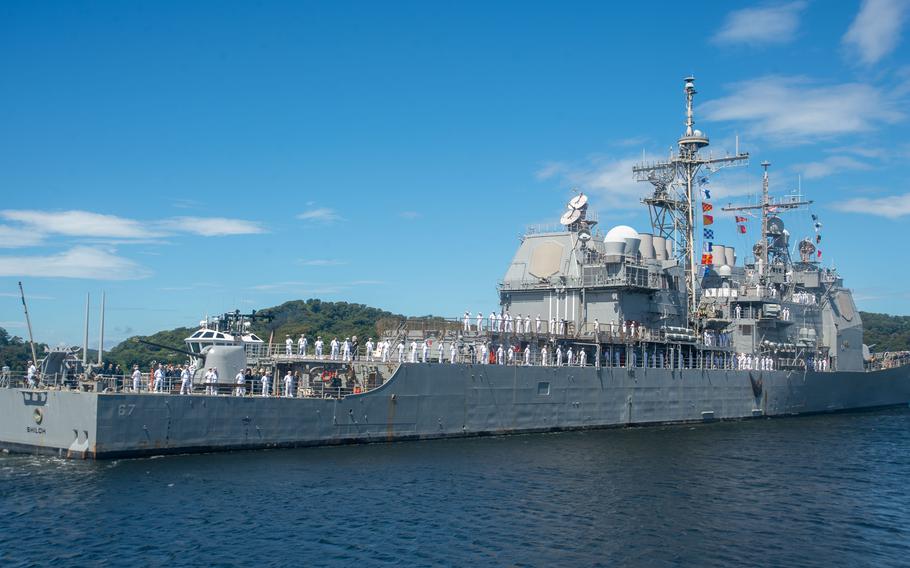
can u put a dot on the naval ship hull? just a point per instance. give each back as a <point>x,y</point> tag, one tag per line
<point>425,401</point>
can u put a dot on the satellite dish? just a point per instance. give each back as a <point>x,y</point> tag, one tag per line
<point>579,201</point>
<point>570,216</point>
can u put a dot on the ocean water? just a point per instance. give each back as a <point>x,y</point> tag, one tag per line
<point>813,491</point>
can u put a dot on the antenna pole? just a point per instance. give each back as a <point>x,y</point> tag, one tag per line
<point>28,321</point>
<point>101,338</point>
<point>88,298</point>
<point>765,203</point>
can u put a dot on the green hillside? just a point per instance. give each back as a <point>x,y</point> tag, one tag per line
<point>15,351</point>
<point>886,333</point>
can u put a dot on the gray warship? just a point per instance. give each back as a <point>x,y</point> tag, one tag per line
<point>593,330</point>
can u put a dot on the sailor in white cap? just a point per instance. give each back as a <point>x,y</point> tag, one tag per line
<point>185,378</point>
<point>288,345</point>
<point>479,322</point>
<point>137,378</point>
<point>582,358</point>
<point>528,323</point>
<point>369,347</point>
<point>424,350</point>
<point>32,370</point>
<point>467,325</point>
<point>334,344</point>
<point>413,358</point>
<point>289,384</point>
<point>537,325</point>
<point>265,380</point>
<point>440,351</point>
<point>240,381</point>
<point>484,354</point>
<point>346,349</point>
<point>319,344</point>
<point>493,319</point>
<point>570,357</point>
<point>544,354</point>
<point>559,356</point>
<point>159,378</point>
<point>499,355</point>
<point>453,353</point>
<point>401,351</point>
<point>527,354</point>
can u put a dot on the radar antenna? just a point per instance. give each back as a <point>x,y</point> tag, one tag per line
<point>672,205</point>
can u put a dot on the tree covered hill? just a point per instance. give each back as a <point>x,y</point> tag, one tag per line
<point>886,333</point>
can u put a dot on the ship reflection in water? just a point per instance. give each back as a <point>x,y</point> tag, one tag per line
<point>809,491</point>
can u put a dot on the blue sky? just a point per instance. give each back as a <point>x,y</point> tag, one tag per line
<point>195,157</point>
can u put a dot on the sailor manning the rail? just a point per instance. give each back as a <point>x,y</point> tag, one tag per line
<point>185,381</point>
<point>582,358</point>
<point>424,350</point>
<point>559,356</point>
<point>570,357</point>
<point>467,324</point>
<point>31,375</point>
<point>318,345</point>
<point>527,354</point>
<point>301,345</point>
<point>479,322</point>
<point>499,355</point>
<point>334,346</point>
<point>413,357</point>
<point>369,347</point>
<point>401,351</point>
<point>264,381</point>
<point>543,356</point>
<point>137,378</point>
<point>288,345</point>
<point>537,325</point>
<point>452,353</point>
<point>346,349</point>
<point>240,381</point>
<point>289,385</point>
<point>159,378</point>
<point>440,351</point>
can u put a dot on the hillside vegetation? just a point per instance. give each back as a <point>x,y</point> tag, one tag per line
<point>886,333</point>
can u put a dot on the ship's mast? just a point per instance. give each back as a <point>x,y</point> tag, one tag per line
<point>766,207</point>
<point>676,181</point>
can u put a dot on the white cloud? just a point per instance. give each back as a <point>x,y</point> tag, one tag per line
<point>17,237</point>
<point>796,110</point>
<point>876,30</point>
<point>321,262</point>
<point>320,214</point>
<point>212,226</point>
<point>761,25</point>
<point>77,223</point>
<point>829,166</point>
<point>892,206</point>
<point>35,226</point>
<point>77,262</point>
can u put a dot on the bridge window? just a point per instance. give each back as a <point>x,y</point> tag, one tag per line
<point>543,388</point>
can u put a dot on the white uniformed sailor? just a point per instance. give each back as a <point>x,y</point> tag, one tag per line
<point>570,357</point>
<point>301,345</point>
<point>493,319</point>
<point>346,349</point>
<point>528,323</point>
<point>289,385</point>
<point>334,346</point>
<point>185,381</point>
<point>240,381</point>
<point>499,355</point>
<point>453,352</point>
<point>265,380</point>
<point>424,350</point>
<point>484,354</point>
<point>370,347</point>
<point>413,358</point>
<point>479,322</point>
<point>537,325</point>
<point>559,356</point>
<point>596,326</point>
<point>467,325</point>
<point>137,378</point>
<point>582,358</point>
<point>32,369</point>
<point>319,345</point>
<point>510,355</point>
<point>401,351</point>
<point>440,351</point>
<point>288,345</point>
<point>159,378</point>
<point>528,354</point>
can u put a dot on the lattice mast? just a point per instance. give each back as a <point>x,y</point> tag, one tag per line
<point>767,206</point>
<point>672,205</point>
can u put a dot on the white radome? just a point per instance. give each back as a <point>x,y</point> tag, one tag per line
<point>620,233</point>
